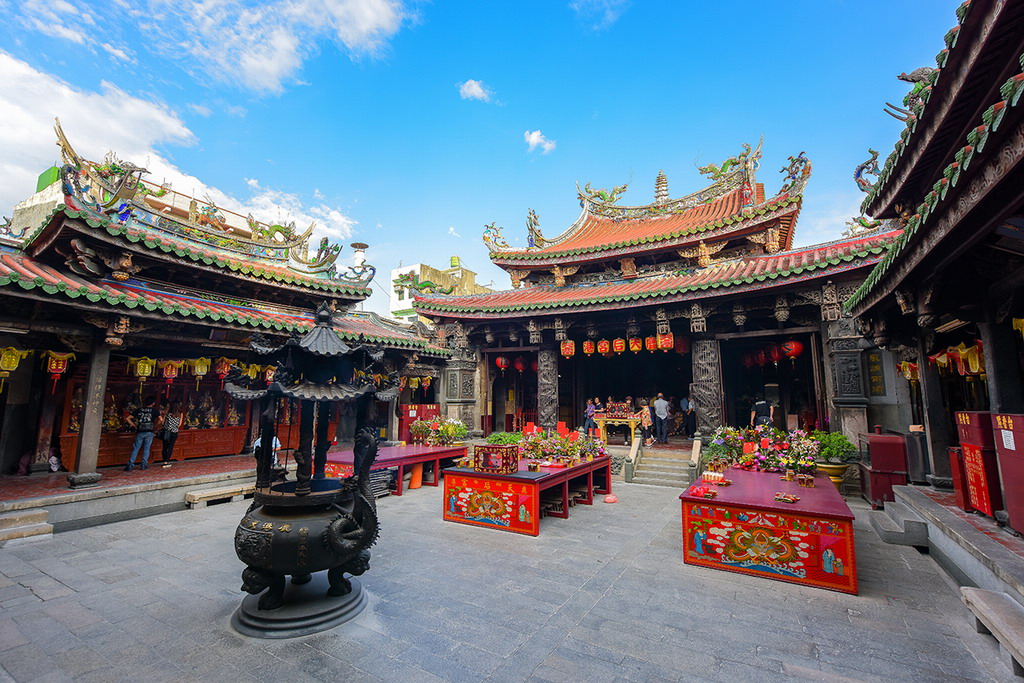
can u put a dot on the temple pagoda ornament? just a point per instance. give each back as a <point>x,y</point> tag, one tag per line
<point>298,528</point>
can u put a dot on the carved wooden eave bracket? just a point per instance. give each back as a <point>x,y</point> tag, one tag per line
<point>702,252</point>
<point>628,268</point>
<point>770,239</point>
<point>562,272</point>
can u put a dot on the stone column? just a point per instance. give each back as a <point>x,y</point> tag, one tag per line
<point>1001,367</point>
<point>547,386</point>
<point>84,473</point>
<point>849,397</point>
<point>706,389</point>
<point>936,421</point>
<point>458,398</point>
<point>44,428</point>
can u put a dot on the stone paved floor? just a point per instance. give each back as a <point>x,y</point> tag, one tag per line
<point>602,596</point>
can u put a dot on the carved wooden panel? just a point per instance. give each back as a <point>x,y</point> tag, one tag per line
<point>547,387</point>
<point>706,389</point>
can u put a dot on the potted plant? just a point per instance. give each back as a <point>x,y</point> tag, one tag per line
<point>835,455</point>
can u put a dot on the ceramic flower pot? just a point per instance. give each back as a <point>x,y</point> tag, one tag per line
<point>835,472</point>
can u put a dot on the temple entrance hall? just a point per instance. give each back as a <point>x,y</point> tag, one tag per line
<point>638,375</point>
<point>784,369</point>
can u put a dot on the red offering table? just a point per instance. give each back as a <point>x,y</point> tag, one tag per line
<point>745,530</point>
<point>339,460</point>
<point>511,502</point>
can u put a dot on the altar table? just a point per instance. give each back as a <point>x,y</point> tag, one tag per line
<point>511,502</point>
<point>745,530</point>
<point>339,460</point>
<point>604,422</point>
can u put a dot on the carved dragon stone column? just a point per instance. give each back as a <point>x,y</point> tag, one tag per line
<point>85,474</point>
<point>706,389</point>
<point>547,386</point>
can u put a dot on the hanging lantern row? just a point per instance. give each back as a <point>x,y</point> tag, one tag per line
<point>661,342</point>
<point>10,359</point>
<point>966,360</point>
<point>773,353</point>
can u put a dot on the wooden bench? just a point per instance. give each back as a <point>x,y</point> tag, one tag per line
<point>1000,616</point>
<point>200,498</point>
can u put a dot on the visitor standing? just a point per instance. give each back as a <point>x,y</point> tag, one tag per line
<point>661,418</point>
<point>763,413</point>
<point>143,421</point>
<point>588,418</point>
<point>172,423</point>
<point>690,416</point>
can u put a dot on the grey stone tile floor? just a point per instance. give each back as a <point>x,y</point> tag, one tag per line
<point>602,596</point>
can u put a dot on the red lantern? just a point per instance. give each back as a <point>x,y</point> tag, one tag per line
<point>618,345</point>
<point>568,348</point>
<point>666,342</point>
<point>761,358</point>
<point>519,364</point>
<point>170,368</point>
<point>651,343</point>
<point>682,345</point>
<point>775,353</point>
<point>533,365</point>
<point>588,347</point>
<point>636,344</point>
<point>502,363</point>
<point>748,360</point>
<point>791,349</point>
<point>57,364</point>
<point>604,347</point>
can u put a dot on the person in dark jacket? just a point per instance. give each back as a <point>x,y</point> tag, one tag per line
<point>143,420</point>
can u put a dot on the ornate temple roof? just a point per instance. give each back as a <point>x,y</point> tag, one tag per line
<point>949,182</point>
<point>731,206</point>
<point>740,275</point>
<point>24,275</point>
<point>116,203</point>
<point>979,48</point>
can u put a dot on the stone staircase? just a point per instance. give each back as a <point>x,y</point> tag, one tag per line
<point>664,468</point>
<point>22,524</point>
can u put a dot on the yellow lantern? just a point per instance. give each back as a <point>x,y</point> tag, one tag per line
<point>199,367</point>
<point>143,368</point>
<point>10,359</point>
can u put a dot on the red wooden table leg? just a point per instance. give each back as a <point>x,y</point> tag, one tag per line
<point>398,484</point>
<point>589,500</point>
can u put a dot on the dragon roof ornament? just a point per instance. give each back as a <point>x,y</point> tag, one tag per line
<point>117,191</point>
<point>864,169</point>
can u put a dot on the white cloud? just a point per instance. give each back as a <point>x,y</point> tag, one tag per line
<point>200,109</point>
<point>317,194</point>
<point>534,139</point>
<point>823,216</point>
<point>474,90</point>
<point>96,122</point>
<point>599,14</point>
<point>118,53</point>
<point>452,231</point>
<point>260,46</point>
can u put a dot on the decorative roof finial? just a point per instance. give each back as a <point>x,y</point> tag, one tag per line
<point>661,188</point>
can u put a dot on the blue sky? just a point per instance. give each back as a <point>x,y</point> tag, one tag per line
<point>408,125</point>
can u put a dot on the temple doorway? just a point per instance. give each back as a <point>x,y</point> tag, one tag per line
<point>784,370</point>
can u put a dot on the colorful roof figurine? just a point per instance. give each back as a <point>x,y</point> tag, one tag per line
<point>729,214</point>
<point>113,203</point>
<point>747,274</point>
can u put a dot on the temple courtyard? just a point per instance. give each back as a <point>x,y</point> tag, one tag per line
<point>601,596</point>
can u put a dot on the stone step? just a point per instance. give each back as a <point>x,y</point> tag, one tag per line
<point>664,465</point>
<point>18,518</point>
<point>36,531</point>
<point>653,481</point>
<point>899,525</point>
<point>667,476</point>
<point>666,455</point>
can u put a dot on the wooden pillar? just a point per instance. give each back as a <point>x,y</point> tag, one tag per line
<point>936,420</point>
<point>304,453</point>
<point>706,389</point>
<point>51,401</point>
<point>1002,369</point>
<point>547,386</point>
<point>84,473</point>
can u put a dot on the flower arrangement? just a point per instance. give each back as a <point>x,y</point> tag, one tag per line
<point>445,432</point>
<point>801,454</point>
<point>420,430</point>
<point>835,448</point>
<point>729,439</point>
<point>542,446</point>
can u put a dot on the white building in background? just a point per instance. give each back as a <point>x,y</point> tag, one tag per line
<point>406,281</point>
